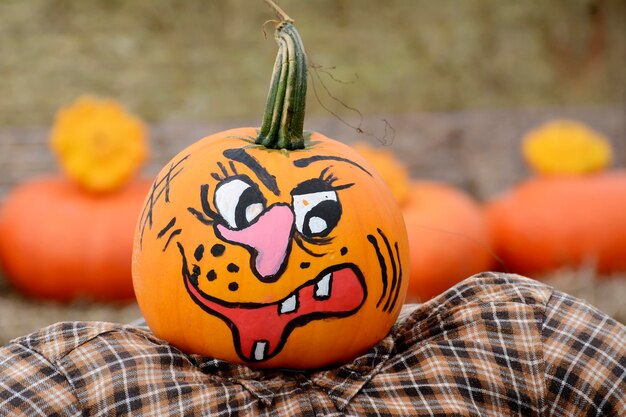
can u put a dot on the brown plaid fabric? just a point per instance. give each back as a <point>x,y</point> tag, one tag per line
<point>494,345</point>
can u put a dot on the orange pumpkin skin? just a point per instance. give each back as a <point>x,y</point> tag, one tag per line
<point>59,242</point>
<point>550,222</point>
<point>448,238</point>
<point>241,275</point>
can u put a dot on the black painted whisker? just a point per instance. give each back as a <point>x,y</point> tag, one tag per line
<point>200,216</point>
<point>166,228</point>
<point>171,236</point>
<point>383,266</point>
<point>394,269</point>
<point>397,293</point>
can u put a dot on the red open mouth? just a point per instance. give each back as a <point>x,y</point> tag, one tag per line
<point>261,330</point>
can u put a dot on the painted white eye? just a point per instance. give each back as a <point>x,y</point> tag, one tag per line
<point>316,213</point>
<point>239,202</point>
<point>317,225</point>
<point>253,211</point>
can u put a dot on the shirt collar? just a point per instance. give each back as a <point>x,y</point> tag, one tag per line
<point>344,383</point>
<point>341,383</point>
<point>262,384</point>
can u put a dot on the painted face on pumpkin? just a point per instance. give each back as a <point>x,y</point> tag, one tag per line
<point>268,253</point>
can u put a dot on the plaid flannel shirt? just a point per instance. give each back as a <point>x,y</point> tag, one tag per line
<point>494,345</point>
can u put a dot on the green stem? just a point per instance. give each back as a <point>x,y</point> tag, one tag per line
<point>283,121</point>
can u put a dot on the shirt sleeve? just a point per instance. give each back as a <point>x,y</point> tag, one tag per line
<point>585,354</point>
<point>31,386</point>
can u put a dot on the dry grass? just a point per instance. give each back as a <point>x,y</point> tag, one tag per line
<point>209,60</point>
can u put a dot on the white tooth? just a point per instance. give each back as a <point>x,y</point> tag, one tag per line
<point>322,288</point>
<point>289,304</point>
<point>259,350</point>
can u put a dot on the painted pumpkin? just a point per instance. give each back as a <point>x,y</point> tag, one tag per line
<point>271,247</point>
<point>70,236</point>
<point>448,232</point>
<point>572,214</point>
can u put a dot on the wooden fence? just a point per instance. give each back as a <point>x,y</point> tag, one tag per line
<point>478,151</point>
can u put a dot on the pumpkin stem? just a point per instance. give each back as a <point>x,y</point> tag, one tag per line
<point>283,121</point>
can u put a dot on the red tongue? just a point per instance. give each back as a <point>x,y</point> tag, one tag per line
<point>259,331</point>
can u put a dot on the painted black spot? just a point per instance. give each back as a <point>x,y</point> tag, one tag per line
<point>233,286</point>
<point>232,268</point>
<point>211,275</point>
<point>217,249</point>
<point>193,277</point>
<point>305,265</point>
<point>344,250</point>
<point>199,252</point>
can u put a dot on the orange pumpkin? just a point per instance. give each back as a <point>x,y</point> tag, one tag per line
<point>447,229</point>
<point>271,247</point>
<point>571,214</point>
<point>65,237</point>
<point>449,238</point>
<point>61,243</point>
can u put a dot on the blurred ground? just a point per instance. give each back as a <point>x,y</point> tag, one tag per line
<point>458,80</point>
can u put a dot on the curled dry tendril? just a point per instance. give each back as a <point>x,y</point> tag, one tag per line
<point>389,131</point>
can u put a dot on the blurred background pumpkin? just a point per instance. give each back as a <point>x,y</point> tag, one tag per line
<point>68,236</point>
<point>449,238</point>
<point>571,213</point>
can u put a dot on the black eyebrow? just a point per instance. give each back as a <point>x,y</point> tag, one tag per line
<point>305,162</point>
<point>316,185</point>
<point>240,155</point>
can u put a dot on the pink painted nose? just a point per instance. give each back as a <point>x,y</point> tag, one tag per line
<point>269,238</point>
